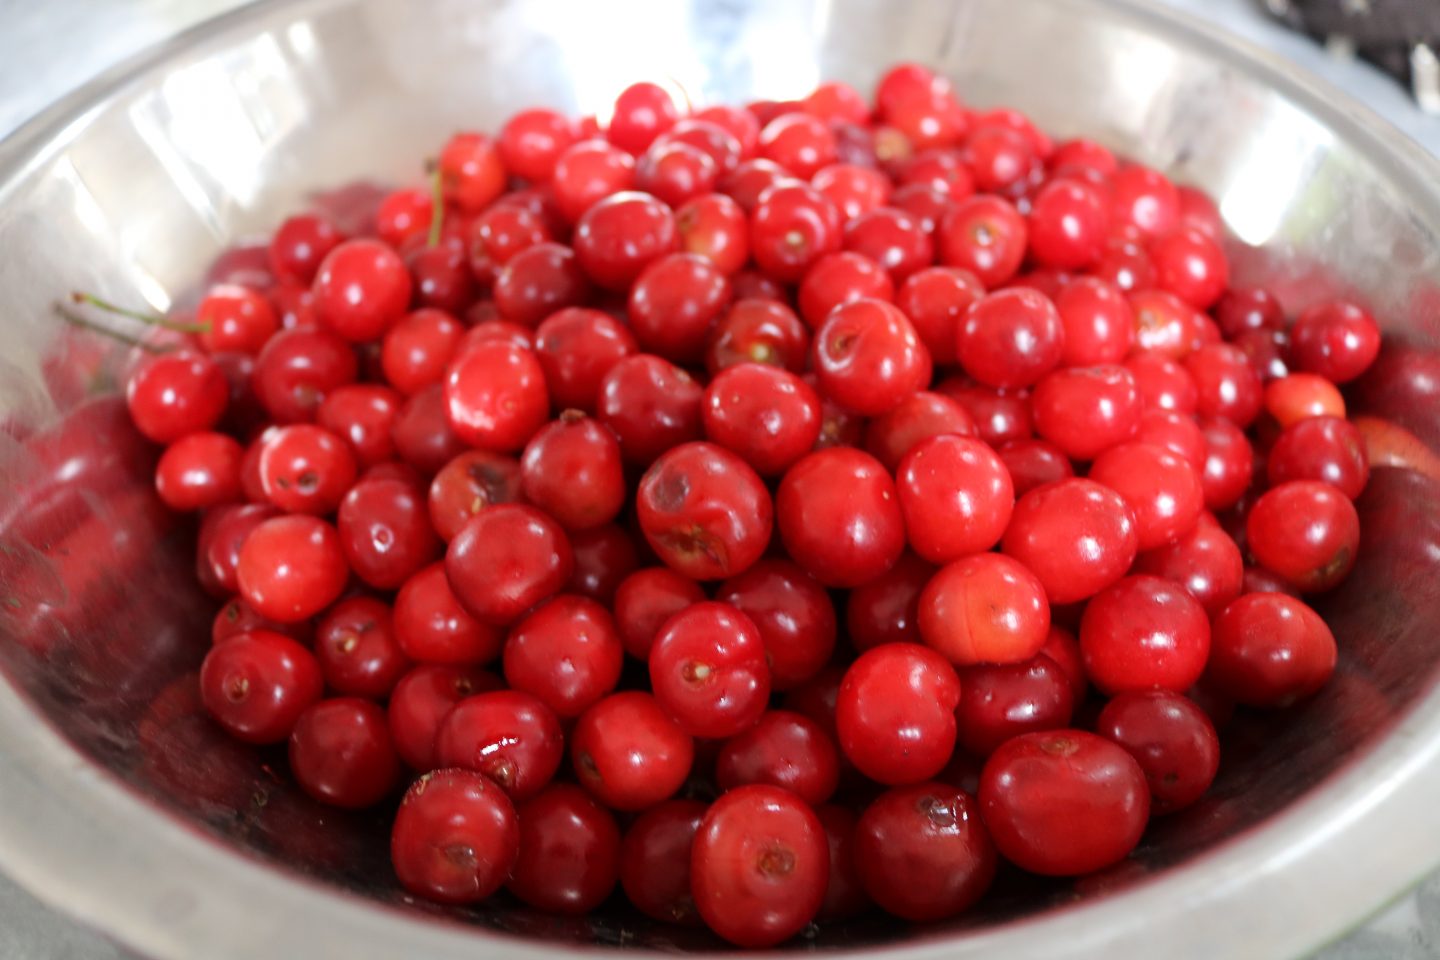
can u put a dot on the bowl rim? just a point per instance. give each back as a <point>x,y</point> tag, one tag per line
<point>1263,884</point>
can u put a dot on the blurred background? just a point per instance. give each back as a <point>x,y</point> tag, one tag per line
<point>49,47</point>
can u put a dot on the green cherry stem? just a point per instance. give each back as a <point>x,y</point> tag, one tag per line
<point>149,319</point>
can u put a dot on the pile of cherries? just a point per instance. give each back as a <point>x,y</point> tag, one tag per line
<point>750,506</point>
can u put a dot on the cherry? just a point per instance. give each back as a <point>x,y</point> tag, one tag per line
<point>799,142</point>
<point>1144,633</point>
<point>1171,738</point>
<point>1242,309</point>
<point>1162,489</point>
<point>508,558</point>
<point>1205,561</point>
<point>361,289</point>
<point>256,685</point>
<point>1270,650</point>
<point>956,497</point>
<point>714,140</point>
<point>1328,449</point>
<point>840,278</point>
<point>1082,153</point>
<point>202,470</point>
<point>926,203</point>
<point>385,531</point>
<point>442,276</point>
<point>868,358</point>
<point>532,141</point>
<point>357,651</point>
<point>1226,383</point>
<point>674,303</point>
<point>236,319</point>
<point>651,405</point>
<point>750,179</point>
<point>1063,803</point>
<point>539,280</point>
<point>1075,535</point>
<point>922,853</point>
<point>587,172</point>
<point>1126,265</point>
<point>1000,416</point>
<point>296,370</point>
<point>471,172</point>
<point>576,347</point>
<point>238,617</point>
<point>782,749</point>
<point>1176,432</point>
<point>617,238</point>
<point>364,415</point>
<point>675,171</point>
<point>984,608</point>
<point>456,837</point>
<point>1299,396</point>
<point>495,396</point>
<point>604,556</point>
<point>708,670</point>
<point>298,246</point>
<point>341,753</point>
<point>1086,410</point>
<point>509,736</point>
<point>655,861</point>
<point>854,190</point>
<point>918,418</point>
<point>223,531</point>
<point>404,215</point>
<point>886,610</point>
<point>758,331</point>
<point>736,121</point>
<point>1098,322</point>
<point>628,753</point>
<point>1007,699</point>
<point>645,600</point>
<point>791,226</point>
<point>704,511</point>
<point>1034,463</point>
<point>1163,384</point>
<point>1305,531</point>
<point>291,568</point>
<point>473,481</point>
<point>895,713</point>
<point>839,517</point>
<point>1145,199</point>
<point>499,235</point>
<point>1191,265</point>
<point>571,469</point>
<point>305,469</point>
<point>759,865</point>
<point>1337,340</point>
<point>907,83</point>
<point>175,394</point>
<point>984,235</point>
<point>566,653</point>
<point>768,416</point>
<point>1229,464</point>
<point>714,226</point>
<point>937,300</point>
<point>421,699</point>
<point>793,613</point>
<point>642,112</point>
<point>1067,224</point>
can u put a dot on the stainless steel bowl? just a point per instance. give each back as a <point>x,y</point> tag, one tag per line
<point>118,802</point>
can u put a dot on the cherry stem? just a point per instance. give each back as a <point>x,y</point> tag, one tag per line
<point>149,319</point>
<point>437,207</point>
<point>79,321</point>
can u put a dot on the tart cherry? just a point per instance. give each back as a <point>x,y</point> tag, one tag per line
<point>674,172</point>
<point>759,865</point>
<point>588,172</point>
<point>305,469</point>
<point>1076,536</point>
<point>1098,321</point>
<point>651,405</point>
<point>1177,432</point>
<point>768,416</point>
<point>222,534</point>
<point>357,651</point>
<point>403,215</point>
<point>628,752</point>
<point>1144,633</point>
<point>432,626</point>
<point>1086,410</point>
<point>1000,415</point>
<point>576,347</point>
<point>509,736</point>
<point>655,861</point>
<point>1205,561</point>
<point>1005,700</point>
<point>385,530</point>
<point>361,289</point>
<point>617,238</point>
<point>1145,199</point>
<point>364,415</point>
<point>714,226</point>
<point>1163,490</point>
<point>758,331</point>
<point>984,608</point>
<point>1190,265</point>
<point>895,713</point>
<point>1328,449</point>
<point>674,304</point>
<point>1296,397</point>
<point>840,278</point>
<point>1171,738</point>
<point>500,234</point>
<point>474,480</point>
<point>791,226</point>
<point>1226,383</point>
<point>708,670</point>
<point>566,653</point>
<point>532,141</point>
<point>956,497</point>
<point>257,684</point>
<point>839,517</point>
<point>297,369</point>
<point>984,235</point>
<point>937,300</point>
<point>442,277</point>
<point>1067,224</point>
<point>799,142</point>
<point>1270,650</point>
<point>202,470</point>
<point>506,560</point>
<point>1306,531</point>
<point>495,396</point>
<point>1337,340</point>
<point>1034,463</point>
<point>793,613</point>
<point>1011,338</point>
<point>537,281</point>
<point>868,357</point>
<point>298,246</point>
<point>853,189</point>
<point>918,418</point>
<point>704,511</point>
<point>604,556</point>
<point>175,394</point>
<point>886,610</point>
<point>645,600</point>
<point>1229,464</point>
<point>341,753</point>
<point>421,699</point>
<point>642,112</point>
<point>782,749</point>
<point>236,319</point>
<point>922,853</point>
<point>571,469</point>
<point>712,139</point>
<point>456,837</point>
<point>291,568</point>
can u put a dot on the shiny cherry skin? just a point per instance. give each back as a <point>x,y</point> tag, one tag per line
<point>1086,410</point>
<point>1300,396</point>
<point>708,670</point>
<point>174,394</point>
<point>1226,384</point>
<point>868,357</point>
<point>1067,224</point>
<point>257,684</point>
<point>604,556</point>
<point>433,627</point>
<point>984,235</point>
<point>222,534</point>
<point>357,651</point>
<point>646,599</point>
<point>855,190</point>
<point>1337,340</point>
<point>1063,803</point>
<point>587,172</point>
<point>651,405</point>
<point>704,510</point>
<point>361,289</point>
<point>793,613</point>
<point>767,415</point>
<point>470,170</point>
<point>956,496</point>
<point>1076,536</point>
<point>1270,650</point>
<point>455,838</point>
<point>1328,449</point>
<point>495,396</point>
<point>417,349</point>
<point>799,142</point>
<point>895,713</point>
<point>1171,738</point>
<point>839,278</point>
<point>674,172</point>
<point>469,483</point>
<point>1007,699</point>
<point>298,246</point>
<point>759,865</point>
<point>1098,322</point>
<point>538,281</point>
<point>919,417</point>
<point>1229,464</point>
<point>886,610</point>
<point>1034,463</point>
<point>576,347</point>
<point>202,470</point>
<point>1144,633</point>
<point>782,749</point>
<point>936,300</point>
<point>642,112</point>
<point>420,701</point>
<point>572,470</point>
<point>384,527</point>
<point>1177,432</point>
<point>984,608</point>
<point>506,560</point>
<point>1010,338</point>
<point>363,414</point>
<point>1163,490</point>
<point>1190,265</point>
<point>569,858</point>
<point>342,755</point>
<point>922,852</point>
<point>239,319</point>
<point>655,861</point>
<point>1000,415</point>
<point>1306,531</point>
<point>628,752</point>
<point>1206,562</point>
<point>714,226</point>
<point>422,433</point>
<point>839,517</point>
<point>758,331</point>
<point>1144,198</point>
<point>566,653</point>
<point>791,227</point>
<point>617,238</point>
<point>291,568</point>
<point>509,736</point>
<point>673,305</point>
<point>532,141</point>
<point>305,469</point>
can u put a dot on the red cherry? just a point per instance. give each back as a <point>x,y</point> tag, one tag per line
<point>628,753</point>
<point>202,470</point>
<point>956,496</point>
<point>495,396</point>
<point>785,409</point>
<point>433,627</point>
<point>655,861</point>
<point>1076,536</point>
<point>645,600</point>
<point>714,226</point>
<point>839,517</point>
<point>257,684</point>
<point>895,713</point>
<point>1011,338</point>
<point>1206,562</point>
<point>793,613</point>
<point>642,112</point>
<point>1328,449</point>
<point>587,172</point>
<point>1171,738</point>
<point>297,369</point>
<point>305,469</point>
<point>1144,633</point>
<point>984,235</point>
<point>361,289</point>
<point>674,304</point>
<point>421,699</point>
<point>1162,489</point>
<point>566,653</point>
<point>341,753</point>
<point>1190,265</point>
<point>298,246</point>
<point>357,651</point>
<point>385,530</point>
<point>291,568</point>
<point>1034,463</point>
<point>617,238</point>
<point>782,749</point>
<point>1005,700</point>
<point>222,533</point>
<point>509,736</point>
<point>868,357</point>
<point>537,281</point>
<point>455,839</point>
<point>506,560</point>
<point>651,405</point>
<point>1145,199</point>
<point>175,394</point>
<point>364,415</point>
<point>704,511</point>
<point>791,227</point>
<point>886,610</point>
<point>532,141</point>
<point>576,348</point>
<point>936,300</point>
<point>1270,650</point>
<point>1098,321</point>
<point>758,331</point>
<point>1337,340</point>
<point>984,608</point>
<point>1305,531</point>
<point>571,469</point>
<point>465,486</point>
<point>1087,410</point>
<point>708,670</point>
<point>1067,224</point>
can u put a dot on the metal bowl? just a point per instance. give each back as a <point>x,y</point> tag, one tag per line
<point>119,802</point>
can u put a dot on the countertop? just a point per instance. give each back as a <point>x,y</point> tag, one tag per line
<point>48,47</point>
